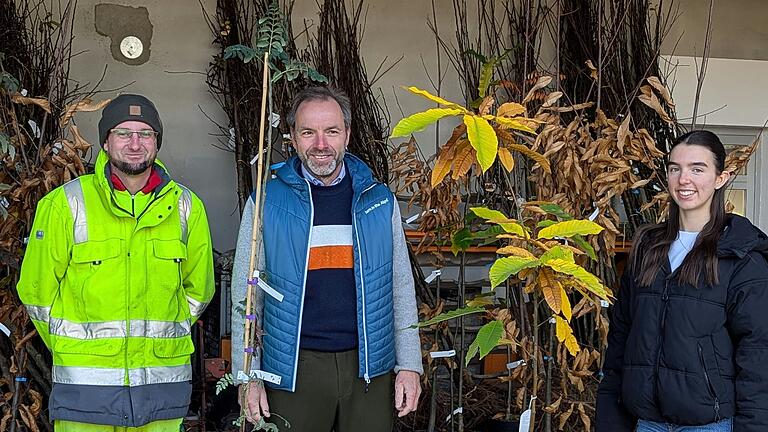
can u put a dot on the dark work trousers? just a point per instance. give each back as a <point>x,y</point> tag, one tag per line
<point>329,397</point>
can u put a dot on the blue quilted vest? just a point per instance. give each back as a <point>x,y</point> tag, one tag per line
<point>288,215</point>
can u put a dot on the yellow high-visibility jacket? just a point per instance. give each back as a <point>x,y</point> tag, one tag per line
<point>113,283</point>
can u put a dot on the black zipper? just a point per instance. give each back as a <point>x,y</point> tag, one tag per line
<point>709,384</point>
<point>662,324</point>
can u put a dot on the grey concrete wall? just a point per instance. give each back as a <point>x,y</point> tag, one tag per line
<point>180,42</point>
<point>739,29</point>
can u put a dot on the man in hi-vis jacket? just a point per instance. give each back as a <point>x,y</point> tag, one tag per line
<point>118,267</point>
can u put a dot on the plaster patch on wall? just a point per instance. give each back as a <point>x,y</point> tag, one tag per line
<point>118,22</point>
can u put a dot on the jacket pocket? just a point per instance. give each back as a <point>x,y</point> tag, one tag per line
<point>712,377</point>
<point>169,255</point>
<point>91,279</point>
<point>171,348</point>
<point>164,279</point>
<point>104,348</point>
<point>95,252</point>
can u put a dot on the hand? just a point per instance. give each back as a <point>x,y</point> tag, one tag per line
<point>253,400</point>
<point>407,392</point>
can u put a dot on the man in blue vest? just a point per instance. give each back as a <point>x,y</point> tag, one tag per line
<point>336,293</point>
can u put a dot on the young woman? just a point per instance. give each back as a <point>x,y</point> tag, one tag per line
<point>688,344</point>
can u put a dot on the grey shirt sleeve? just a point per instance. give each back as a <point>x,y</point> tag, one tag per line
<point>239,290</point>
<point>407,342</point>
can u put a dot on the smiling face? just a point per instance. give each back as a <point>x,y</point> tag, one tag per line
<point>320,138</point>
<point>132,155</point>
<point>693,178</point>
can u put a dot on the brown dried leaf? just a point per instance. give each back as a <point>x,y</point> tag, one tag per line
<point>583,307</point>
<point>564,417</point>
<point>442,165</point>
<point>570,108</point>
<point>485,105</point>
<point>602,327</point>
<point>550,288</point>
<point>652,101</point>
<point>537,157</point>
<point>738,157</point>
<point>510,109</point>
<point>520,395</point>
<point>85,105</point>
<point>4,422</point>
<point>27,418</point>
<point>516,251</point>
<point>622,134</point>
<point>458,131</point>
<point>540,84</point>
<point>584,418</point>
<point>552,98</point>
<point>592,69</point>
<point>506,159</point>
<point>554,407</point>
<point>656,83</point>
<point>465,157</point>
<point>80,142</point>
<point>639,183</point>
<point>42,103</point>
<point>37,403</point>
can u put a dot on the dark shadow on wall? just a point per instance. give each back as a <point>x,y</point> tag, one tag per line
<point>129,30</point>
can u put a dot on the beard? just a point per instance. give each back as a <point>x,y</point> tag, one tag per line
<point>132,168</point>
<point>321,171</point>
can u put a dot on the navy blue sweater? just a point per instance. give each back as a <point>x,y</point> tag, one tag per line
<point>330,303</point>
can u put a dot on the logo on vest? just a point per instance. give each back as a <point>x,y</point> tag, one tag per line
<point>377,205</point>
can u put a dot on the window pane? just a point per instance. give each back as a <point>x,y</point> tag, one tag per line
<point>737,198</point>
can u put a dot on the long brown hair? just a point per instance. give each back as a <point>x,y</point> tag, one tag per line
<point>651,243</point>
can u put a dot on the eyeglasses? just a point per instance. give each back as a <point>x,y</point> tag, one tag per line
<point>125,134</point>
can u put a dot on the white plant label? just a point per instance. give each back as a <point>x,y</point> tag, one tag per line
<point>458,410</point>
<point>267,289</point>
<point>442,354</point>
<point>415,217</point>
<point>525,418</point>
<point>274,119</point>
<point>35,128</point>
<point>432,276</point>
<point>264,376</point>
<point>594,215</point>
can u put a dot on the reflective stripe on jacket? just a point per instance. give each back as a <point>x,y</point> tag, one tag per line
<point>113,282</point>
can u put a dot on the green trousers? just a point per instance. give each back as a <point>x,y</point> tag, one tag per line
<point>330,397</point>
<point>173,425</point>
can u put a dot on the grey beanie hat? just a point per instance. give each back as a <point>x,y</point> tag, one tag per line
<point>127,107</point>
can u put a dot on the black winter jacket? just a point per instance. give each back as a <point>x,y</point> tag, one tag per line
<point>691,356</point>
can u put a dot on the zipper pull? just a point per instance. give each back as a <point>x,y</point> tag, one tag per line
<point>717,410</point>
<point>367,382</point>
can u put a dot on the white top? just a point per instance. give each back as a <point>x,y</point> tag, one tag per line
<point>679,248</point>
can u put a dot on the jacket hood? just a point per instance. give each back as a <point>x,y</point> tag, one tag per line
<point>740,237</point>
<point>362,176</point>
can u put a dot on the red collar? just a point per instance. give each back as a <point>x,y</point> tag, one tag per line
<point>153,182</point>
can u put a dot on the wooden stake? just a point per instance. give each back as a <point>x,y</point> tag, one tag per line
<point>250,325</point>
